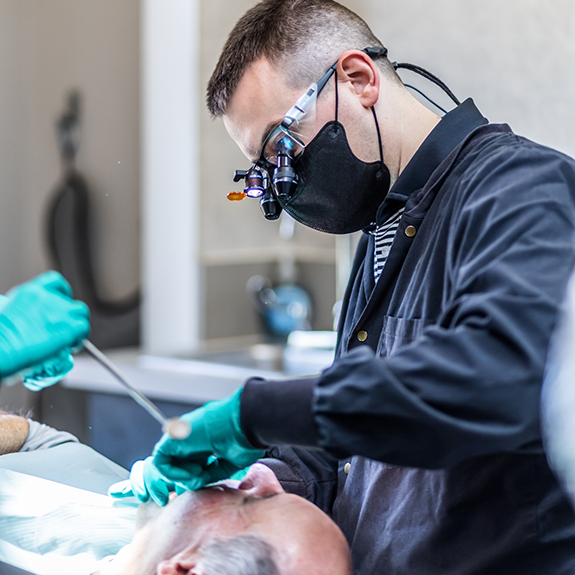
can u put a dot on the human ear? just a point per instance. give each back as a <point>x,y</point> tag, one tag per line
<point>260,482</point>
<point>357,68</point>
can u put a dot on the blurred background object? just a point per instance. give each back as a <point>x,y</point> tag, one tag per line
<point>69,223</point>
<point>558,397</point>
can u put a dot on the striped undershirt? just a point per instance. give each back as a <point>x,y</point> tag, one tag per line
<point>384,235</point>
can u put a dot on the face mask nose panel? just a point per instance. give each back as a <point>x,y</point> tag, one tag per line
<point>336,192</point>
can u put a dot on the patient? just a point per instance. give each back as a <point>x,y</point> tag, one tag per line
<point>252,527</point>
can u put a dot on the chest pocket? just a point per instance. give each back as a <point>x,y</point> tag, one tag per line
<point>398,332</point>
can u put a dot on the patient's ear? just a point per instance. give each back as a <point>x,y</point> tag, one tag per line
<point>260,481</point>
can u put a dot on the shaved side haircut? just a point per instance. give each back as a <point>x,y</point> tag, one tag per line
<point>303,38</point>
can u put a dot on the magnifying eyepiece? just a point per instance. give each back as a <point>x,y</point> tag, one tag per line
<point>285,177</point>
<point>257,185</point>
<point>271,208</point>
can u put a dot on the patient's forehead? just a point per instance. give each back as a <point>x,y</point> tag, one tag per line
<point>217,500</point>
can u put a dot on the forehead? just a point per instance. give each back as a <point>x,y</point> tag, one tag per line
<point>260,102</point>
<point>216,502</point>
<point>233,511</point>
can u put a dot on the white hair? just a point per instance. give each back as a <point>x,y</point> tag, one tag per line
<point>241,555</point>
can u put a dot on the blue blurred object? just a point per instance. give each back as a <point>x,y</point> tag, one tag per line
<point>284,308</point>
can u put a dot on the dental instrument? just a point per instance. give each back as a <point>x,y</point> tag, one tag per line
<point>175,427</point>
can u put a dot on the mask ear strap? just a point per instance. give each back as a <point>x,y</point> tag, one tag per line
<point>378,134</point>
<point>336,97</point>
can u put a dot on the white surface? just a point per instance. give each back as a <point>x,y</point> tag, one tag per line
<point>310,340</point>
<point>54,529</point>
<point>170,176</point>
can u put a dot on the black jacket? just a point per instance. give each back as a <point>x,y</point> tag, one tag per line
<point>437,411</point>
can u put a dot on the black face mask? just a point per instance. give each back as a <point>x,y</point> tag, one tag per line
<point>336,193</point>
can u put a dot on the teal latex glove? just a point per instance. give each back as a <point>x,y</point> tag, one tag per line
<point>49,372</point>
<point>241,474</point>
<point>38,322</point>
<point>145,483</point>
<point>215,450</point>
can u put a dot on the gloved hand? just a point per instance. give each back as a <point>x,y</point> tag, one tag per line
<point>49,372</point>
<point>39,322</point>
<point>215,450</point>
<point>46,374</point>
<point>145,482</point>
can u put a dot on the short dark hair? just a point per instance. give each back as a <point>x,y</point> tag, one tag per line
<point>307,36</point>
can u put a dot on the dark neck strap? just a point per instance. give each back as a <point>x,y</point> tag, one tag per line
<point>378,134</point>
<point>336,98</point>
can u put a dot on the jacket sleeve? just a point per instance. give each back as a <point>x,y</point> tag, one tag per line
<point>470,385</point>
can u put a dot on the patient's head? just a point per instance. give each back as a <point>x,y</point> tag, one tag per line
<point>253,527</point>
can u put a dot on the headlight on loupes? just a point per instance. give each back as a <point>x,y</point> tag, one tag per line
<point>257,185</point>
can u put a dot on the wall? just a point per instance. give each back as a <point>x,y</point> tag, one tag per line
<point>515,58</point>
<point>10,142</point>
<point>48,47</point>
<point>11,112</point>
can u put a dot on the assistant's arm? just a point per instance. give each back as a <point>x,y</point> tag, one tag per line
<point>471,384</point>
<point>13,432</point>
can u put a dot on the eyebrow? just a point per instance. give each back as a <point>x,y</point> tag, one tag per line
<point>254,498</point>
<point>272,495</point>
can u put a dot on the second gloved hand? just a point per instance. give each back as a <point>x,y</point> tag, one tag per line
<point>37,323</point>
<point>145,483</point>
<point>216,448</point>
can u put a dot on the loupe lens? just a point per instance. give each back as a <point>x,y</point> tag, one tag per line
<point>285,177</point>
<point>271,208</point>
<point>282,142</point>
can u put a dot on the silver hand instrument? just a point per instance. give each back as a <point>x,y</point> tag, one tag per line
<point>174,427</point>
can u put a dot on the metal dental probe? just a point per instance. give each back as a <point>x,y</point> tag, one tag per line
<point>175,427</point>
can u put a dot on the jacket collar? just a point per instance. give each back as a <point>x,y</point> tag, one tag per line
<point>453,128</point>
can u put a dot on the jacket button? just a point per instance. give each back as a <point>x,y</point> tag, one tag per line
<point>347,467</point>
<point>410,231</point>
<point>362,335</point>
